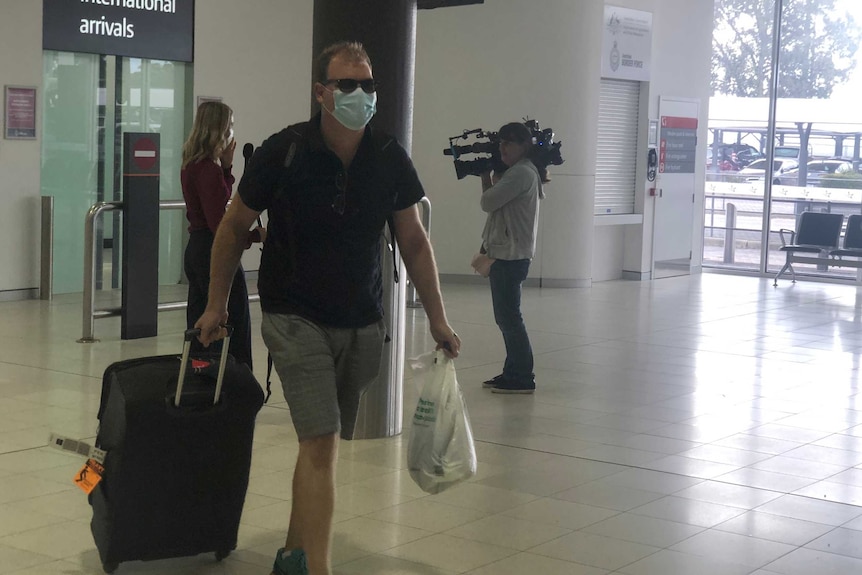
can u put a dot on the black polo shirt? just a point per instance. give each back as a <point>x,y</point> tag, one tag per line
<point>317,262</point>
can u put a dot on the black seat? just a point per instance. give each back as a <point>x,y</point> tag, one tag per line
<point>852,245</point>
<point>816,233</point>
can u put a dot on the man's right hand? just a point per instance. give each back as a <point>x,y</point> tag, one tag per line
<point>211,324</point>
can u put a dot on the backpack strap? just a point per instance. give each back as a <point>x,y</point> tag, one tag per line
<point>293,158</point>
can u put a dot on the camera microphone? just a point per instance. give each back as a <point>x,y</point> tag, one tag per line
<point>247,151</point>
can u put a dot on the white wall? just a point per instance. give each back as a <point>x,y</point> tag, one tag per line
<point>20,64</point>
<point>256,55</point>
<point>483,66</point>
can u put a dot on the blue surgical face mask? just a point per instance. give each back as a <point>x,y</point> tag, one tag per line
<point>355,109</point>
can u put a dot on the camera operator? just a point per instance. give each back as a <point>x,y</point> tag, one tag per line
<point>509,239</point>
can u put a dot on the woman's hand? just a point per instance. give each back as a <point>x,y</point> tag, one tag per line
<point>226,157</point>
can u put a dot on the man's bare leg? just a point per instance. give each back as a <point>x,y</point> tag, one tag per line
<point>313,501</point>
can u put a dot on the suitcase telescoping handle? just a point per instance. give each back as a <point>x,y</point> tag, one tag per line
<point>187,345</point>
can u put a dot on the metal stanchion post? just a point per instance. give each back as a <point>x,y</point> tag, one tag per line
<point>89,328</point>
<point>89,305</point>
<point>729,229</point>
<point>46,276</point>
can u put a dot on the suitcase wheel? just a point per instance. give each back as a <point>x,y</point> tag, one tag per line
<point>219,555</point>
<point>110,567</point>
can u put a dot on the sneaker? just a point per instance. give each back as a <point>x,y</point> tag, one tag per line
<point>493,381</point>
<point>509,386</point>
<point>292,563</point>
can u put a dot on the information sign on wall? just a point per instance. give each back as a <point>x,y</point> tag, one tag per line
<point>152,29</point>
<point>20,113</point>
<point>626,44</point>
<point>678,147</point>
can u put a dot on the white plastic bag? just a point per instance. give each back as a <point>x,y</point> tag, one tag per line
<point>440,452</point>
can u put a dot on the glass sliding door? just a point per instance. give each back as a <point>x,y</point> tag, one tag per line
<point>90,100</point>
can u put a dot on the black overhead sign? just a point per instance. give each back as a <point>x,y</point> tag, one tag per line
<point>152,29</point>
<point>430,4</point>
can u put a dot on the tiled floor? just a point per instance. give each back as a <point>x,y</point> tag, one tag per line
<point>709,425</point>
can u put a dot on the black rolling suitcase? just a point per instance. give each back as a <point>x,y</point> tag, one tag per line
<point>178,437</point>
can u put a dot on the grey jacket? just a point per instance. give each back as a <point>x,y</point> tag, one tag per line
<point>512,205</point>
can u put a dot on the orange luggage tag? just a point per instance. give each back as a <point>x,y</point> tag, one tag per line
<point>89,476</point>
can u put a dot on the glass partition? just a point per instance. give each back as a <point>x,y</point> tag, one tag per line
<point>813,138</point>
<point>70,156</point>
<point>735,154</point>
<point>817,124</point>
<point>90,100</point>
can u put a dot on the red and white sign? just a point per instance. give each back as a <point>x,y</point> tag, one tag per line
<point>144,154</point>
<point>680,123</point>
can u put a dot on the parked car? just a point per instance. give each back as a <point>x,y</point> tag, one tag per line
<point>757,169</point>
<point>817,171</point>
<point>791,152</point>
<point>732,157</point>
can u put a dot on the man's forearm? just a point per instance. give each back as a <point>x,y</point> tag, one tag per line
<point>423,273</point>
<point>226,253</point>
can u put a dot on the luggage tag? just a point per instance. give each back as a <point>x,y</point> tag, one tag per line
<point>81,448</point>
<point>199,365</point>
<point>89,476</point>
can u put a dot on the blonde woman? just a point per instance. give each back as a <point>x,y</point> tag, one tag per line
<point>207,184</point>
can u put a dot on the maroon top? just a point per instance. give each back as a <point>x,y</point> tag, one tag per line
<point>206,190</point>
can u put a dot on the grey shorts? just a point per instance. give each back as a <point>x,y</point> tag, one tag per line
<point>323,370</point>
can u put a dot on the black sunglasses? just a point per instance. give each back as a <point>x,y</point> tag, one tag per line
<point>348,85</point>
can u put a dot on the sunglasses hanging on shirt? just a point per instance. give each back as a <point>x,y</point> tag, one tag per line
<point>339,203</point>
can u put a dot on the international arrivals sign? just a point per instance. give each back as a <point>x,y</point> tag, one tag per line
<point>152,29</point>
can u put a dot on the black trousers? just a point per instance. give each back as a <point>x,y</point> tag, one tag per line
<point>197,268</point>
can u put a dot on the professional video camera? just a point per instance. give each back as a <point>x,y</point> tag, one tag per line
<point>545,150</point>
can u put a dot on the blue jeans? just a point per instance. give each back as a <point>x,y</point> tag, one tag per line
<point>506,279</point>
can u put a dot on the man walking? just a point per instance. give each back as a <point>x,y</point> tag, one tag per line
<point>329,186</point>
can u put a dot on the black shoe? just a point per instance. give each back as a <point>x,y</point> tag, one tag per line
<point>493,381</point>
<point>510,386</point>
